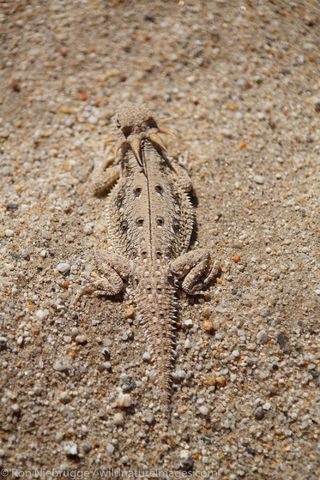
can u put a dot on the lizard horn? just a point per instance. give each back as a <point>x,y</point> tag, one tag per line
<point>135,146</point>
<point>165,120</point>
<point>166,131</point>
<point>117,148</point>
<point>157,140</point>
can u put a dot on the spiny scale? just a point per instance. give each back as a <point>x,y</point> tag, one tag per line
<point>150,220</point>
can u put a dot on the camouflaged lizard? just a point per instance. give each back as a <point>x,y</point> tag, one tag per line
<point>150,221</point>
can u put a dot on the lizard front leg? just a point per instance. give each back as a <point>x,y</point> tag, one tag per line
<point>195,269</point>
<point>104,175</point>
<point>114,268</point>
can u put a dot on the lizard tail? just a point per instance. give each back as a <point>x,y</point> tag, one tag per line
<point>157,314</point>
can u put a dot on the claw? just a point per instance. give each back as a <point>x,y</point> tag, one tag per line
<point>82,291</point>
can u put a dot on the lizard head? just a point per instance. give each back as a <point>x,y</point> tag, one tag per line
<point>135,123</point>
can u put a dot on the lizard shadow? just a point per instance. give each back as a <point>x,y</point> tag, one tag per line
<point>194,202</point>
<point>118,298</point>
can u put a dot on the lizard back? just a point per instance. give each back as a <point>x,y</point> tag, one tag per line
<point>150,216</point>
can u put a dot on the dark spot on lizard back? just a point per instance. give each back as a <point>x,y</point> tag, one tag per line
<point>124,225</point>
<point>120,197</point>
<point>137,191</point>
<point>159,189</point>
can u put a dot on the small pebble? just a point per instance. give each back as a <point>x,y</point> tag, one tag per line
<point>179,375</point>
<point>15,408</point>
<point>185,454</point>
<point>221,380</point>
<point>42,314</point>
<point>69,122</point>
<point>187,460</point>
<point>110,448</point>
<point>187,343</point>
<point>129,312</point>
<point>63,267</point>
<point>88,228</point>
<point>61,366</point>
<point>146,356</point>
<point>208,326</point>
<point>227,133</point>
<point>150,419</point>
<point>25,254</point>
<point>259,179</point>
<point>262,337</point>
<point>188,323</point>
<point>81,339</point>
<point>3,343</point>
<point>70,448</point>
<point>106,353</point>
<point>45,234</point>
<point>265,312</point>
<point>9,233</point>
<point>86,447</point>
<point>124,400</point>
<point>6,171</point>
<point>66,206</point>
<point>92,119</point>
<point>259,413</point>
<point>118,419</point>
<point>204,410</point>
<point>107,366</point>
<point>283,341</point>
<point>64,397</point>
<point>128,386</point>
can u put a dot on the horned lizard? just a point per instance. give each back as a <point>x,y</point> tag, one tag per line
<point>150,220</point>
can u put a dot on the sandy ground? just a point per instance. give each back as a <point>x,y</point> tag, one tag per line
<point>239,82</point>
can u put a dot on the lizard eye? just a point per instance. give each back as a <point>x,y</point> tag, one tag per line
<point>126,131</point>
<point>118,124</point>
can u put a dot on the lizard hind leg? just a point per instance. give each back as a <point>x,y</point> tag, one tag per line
<point>196,271</point>
<point>114,270</point>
